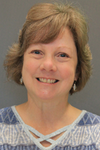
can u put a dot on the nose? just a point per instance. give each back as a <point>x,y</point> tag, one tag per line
<point>48,64</point>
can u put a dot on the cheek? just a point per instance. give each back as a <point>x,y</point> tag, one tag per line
<point>28,73</point>
<point>68,72</point>
<point>28,67</point>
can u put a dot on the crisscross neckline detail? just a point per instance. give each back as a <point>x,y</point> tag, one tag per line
<point>49,136</point>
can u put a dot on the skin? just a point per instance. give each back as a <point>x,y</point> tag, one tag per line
<point>47,104</point>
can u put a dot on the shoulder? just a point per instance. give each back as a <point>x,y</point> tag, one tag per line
<point>7,116</point>
<point>85,134</point>
<point>89,119</point>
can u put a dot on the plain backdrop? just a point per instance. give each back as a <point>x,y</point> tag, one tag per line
<point>12,17</point>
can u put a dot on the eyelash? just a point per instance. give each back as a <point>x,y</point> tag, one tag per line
<point>64,55</point>
<point>36,52</point>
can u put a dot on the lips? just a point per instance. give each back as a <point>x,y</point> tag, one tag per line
<point>44,80</point>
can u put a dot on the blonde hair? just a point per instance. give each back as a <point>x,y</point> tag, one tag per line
<point>43,24</point>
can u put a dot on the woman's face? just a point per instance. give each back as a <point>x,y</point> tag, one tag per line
<point>49,70</point>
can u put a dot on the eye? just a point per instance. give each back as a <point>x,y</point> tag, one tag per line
<point>36,52</point>
<point>63,55</point>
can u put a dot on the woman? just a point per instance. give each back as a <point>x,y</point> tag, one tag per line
<point>52,59</point>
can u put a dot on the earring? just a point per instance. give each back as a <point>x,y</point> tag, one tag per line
<point>21,80</point>
<point>74,86</point>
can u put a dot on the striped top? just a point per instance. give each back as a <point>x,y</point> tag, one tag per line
<point>82,134</point>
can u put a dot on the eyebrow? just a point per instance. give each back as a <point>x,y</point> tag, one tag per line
<point>64,47</point>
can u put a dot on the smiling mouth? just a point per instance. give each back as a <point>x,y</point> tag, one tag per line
<point>47,80</point>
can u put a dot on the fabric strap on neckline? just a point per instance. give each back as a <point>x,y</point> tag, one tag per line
<point>46,137</point>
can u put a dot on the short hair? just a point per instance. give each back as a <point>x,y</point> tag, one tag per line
<point>44,22</point>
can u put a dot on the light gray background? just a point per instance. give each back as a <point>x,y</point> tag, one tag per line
<point>12,17</point>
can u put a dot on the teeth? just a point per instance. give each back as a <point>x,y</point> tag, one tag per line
<point>47,80</point>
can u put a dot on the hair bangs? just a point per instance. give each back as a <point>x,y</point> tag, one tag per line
<point>45,31</point>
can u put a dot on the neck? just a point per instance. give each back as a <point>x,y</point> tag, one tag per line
<point>50,115</point>
<point>48,110</point>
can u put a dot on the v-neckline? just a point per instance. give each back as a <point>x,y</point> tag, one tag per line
<point>65,129</point>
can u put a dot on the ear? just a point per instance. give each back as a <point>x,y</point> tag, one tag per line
<point>77,73</point>
<point>76,76</point>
